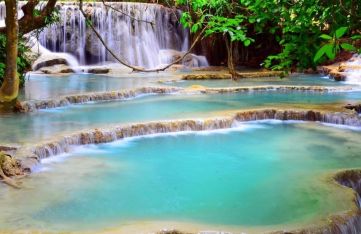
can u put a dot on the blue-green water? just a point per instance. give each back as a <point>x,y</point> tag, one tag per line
<point>262,175</point>
<point>46,123</point>
<point>45,86</point>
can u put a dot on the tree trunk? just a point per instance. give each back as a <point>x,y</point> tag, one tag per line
<point>230,61</point>
<point>10,87</point>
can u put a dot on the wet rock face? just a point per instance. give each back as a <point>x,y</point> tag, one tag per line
<point>351,179</point>
<point>356,107</point>
<point>346,70</point>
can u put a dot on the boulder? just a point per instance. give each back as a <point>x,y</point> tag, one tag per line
<point>355,107</point>
<point>10,166</point>
<point>57,69</point>
<point>47,63</point>
<point>98,70</point>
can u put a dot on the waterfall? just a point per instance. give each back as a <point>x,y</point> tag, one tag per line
<point>354,70</point>
<point>43,52</point>
<point>130,34</point>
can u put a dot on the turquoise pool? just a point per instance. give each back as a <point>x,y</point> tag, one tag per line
<point>46,123</point>
<point>46,87</point>
<point>261,175</point>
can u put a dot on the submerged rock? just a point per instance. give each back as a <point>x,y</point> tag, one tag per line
<point>227,75</point>
<point>213,76</point>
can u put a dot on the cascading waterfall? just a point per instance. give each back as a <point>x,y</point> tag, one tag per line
<point>146,35</point>
<point>354,70</point>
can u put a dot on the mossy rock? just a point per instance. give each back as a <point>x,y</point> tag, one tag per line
<point>10,166</point>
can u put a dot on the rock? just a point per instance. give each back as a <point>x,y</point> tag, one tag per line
<point>169,56</point>
<point>211,76</point>
<point>192,60</point>
<point>258,74</point>
<point>10,166</point>
<point>98,70</point>
<point>335,71</point>
<point>356,107</point>
<point>38,64</point>
<point>56,69</point>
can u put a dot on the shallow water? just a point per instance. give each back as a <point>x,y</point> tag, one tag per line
<point>262,175</point>
<point>45,123</point>
<point>47,86</point>
<point>306,80</point>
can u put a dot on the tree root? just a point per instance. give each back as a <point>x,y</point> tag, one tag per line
<point>8,180</point>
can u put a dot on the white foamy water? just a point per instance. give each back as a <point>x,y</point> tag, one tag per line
<point>354,74</point>
<point>46,54</point>
<point>146,35</point>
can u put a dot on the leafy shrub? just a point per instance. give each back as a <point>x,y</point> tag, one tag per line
<point>22,60</point>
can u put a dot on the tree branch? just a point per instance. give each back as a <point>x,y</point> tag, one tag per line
<point>30,21</point>
<point>123,13</point>
<point>121,61</point>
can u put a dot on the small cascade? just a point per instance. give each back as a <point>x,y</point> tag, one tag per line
<point>353,69</point>
<point>97,136</point>
<point>139,33</point>
<point>46,55</point>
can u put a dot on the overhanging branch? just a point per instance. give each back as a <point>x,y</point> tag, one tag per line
<point>31,21</point>
<point>122,61</point>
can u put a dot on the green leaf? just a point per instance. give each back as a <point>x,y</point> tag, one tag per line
<point>340,32</point>
<point>322,51</point>
<point>356,37</point>
<point>348,47</point>
<point>247,42</point>
<point>326,37</point>
<point>330,51</point>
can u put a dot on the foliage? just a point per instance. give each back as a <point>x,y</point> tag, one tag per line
<point>23,62</point>
<point>335,44</point>
<point>296,25</point>
<point>53,18</point>
<point>218,17</point>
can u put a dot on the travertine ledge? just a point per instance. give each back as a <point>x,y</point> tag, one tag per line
<point>348,222</point>
<point>31,106</point>
<point>96,136</point>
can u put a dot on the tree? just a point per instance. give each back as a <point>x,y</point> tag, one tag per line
<point>10,87</point>
<point>32,19</point>
<point>296,25</point>
<point>222,17</point>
